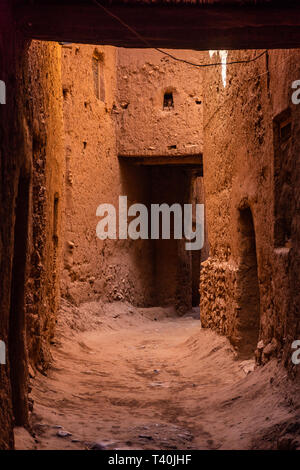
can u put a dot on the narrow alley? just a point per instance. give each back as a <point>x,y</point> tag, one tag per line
<point>150,227</point>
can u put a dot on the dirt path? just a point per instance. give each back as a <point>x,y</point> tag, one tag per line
<point>146,379</point>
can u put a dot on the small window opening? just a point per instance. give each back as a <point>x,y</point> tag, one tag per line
<point>98,76</point>
<point>168,101</point>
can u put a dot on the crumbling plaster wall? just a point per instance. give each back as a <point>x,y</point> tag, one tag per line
<point>145,128</point>
<point>26,118</point>
<point>96,127</point>
<point>239,173</point>
<point>285,275</point>
<point>43,89</point>
<point>95,268</point>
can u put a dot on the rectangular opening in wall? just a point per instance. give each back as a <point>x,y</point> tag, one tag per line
<point>172,278</point>
<point>98,76</point>
<point>282,132</point>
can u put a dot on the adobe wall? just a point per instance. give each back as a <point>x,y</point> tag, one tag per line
<point>25,119</point>
<point>145,126</point>
<point>12,158</point>
<point>104,114</point>
<point>95,268</point>
<point>159,112</point>
<point>239,177</point>
<point>43,84</point>
<point>239,174</point>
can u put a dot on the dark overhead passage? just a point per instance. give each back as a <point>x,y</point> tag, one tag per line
<point>201,25</point>
<point>186,162</point>
<point>194,160</point>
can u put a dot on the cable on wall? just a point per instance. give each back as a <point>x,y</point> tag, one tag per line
<point>148,44</point>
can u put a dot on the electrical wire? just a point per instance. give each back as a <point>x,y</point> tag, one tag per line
<point>253,77</point>
<point>148,44</point>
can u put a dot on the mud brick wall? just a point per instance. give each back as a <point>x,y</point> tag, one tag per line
<point>250,175</point>
<point>217,288</point>
<point>42,80</point>
<point>29,137</point>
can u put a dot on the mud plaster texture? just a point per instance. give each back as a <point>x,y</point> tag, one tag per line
<point>244,172</point>
<point>93,267</point>
<point>42,289</point>
<point>144,272</point>
<point>29,135</point>
<point>145,125</point>
<point>12,158</point>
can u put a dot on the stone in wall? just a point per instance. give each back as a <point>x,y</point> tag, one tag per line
<point>217,288</point>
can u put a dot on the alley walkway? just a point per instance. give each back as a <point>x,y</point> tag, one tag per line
<point>146,379</point>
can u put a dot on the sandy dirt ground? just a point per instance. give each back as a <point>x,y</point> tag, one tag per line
<point>132,378</point>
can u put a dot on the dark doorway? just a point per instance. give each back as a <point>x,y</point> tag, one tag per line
<point>173,273</point>
<point>283,200</point>
<point>248,287</point>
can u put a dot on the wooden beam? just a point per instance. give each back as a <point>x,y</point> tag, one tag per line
<point>193,161</point>
<point>202,26</point>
